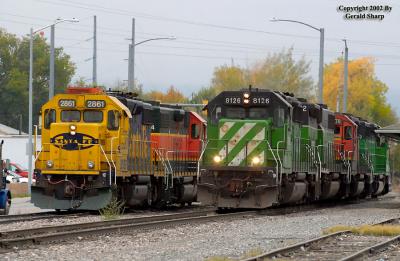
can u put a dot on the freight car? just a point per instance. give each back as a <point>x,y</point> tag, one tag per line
<point>96,145</point>
<point>269,148</point>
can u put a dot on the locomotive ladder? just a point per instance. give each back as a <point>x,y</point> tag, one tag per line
<point>168,178</point>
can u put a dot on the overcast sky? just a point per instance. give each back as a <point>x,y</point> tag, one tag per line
<point>209,33</point>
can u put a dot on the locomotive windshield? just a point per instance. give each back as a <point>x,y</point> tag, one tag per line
<point>92,116</point>
<point>70,116</point>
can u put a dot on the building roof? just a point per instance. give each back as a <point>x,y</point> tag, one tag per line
<point>7,130</point>
<point>392,131</point>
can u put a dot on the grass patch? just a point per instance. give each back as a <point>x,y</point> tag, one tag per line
<point>370,230</point>
<point>23,195</point>
<point>252,253</point>
<point>248,254</point>
<point>218,258</point>
<point>113,210</point>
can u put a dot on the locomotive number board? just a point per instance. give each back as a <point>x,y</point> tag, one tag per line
<point>64,103</point>
<point>252,100</point>
<point>95,104</point>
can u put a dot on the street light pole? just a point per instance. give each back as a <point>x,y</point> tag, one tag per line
<point>30,152</point>
<point>30,96</point>
<point>131,59</point>
<point>321,54</point>
<point>52,69</point>
<point>345,77</point>
<point>52,52</point>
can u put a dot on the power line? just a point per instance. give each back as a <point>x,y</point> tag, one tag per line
<point>162,18</point>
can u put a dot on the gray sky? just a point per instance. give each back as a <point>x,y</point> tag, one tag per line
<point>209,33</point>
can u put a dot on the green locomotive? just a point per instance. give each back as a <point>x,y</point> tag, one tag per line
<point>267,148</point>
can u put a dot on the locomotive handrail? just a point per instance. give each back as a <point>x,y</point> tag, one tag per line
<point>349,165</point>
<point>320,164</point>
<point>277,152</point>
<point>278,178</point>
<point>109,165</point>
<point>112,160</point>
<point>201,156</point>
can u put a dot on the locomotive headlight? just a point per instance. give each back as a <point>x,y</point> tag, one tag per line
<point>256,160</point>
<point>246,95</point>
<point>72,132</point>
<point>90,164</point>
<point>50,163</point>
<point>217,159</point>
<point>246,101</point>
<point>72,127</point>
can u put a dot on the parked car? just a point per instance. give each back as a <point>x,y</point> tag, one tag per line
<point>13,177</point>
<point>18,169</point>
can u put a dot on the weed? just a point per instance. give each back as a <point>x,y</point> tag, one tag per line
<point>371,230</point>
<point>113,210</point>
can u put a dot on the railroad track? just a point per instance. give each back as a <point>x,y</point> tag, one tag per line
<point>25,237</point>
<point>342,245</point>
<point>19,239</point>
<point>38,216</point>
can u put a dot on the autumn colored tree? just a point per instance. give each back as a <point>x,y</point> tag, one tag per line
<point>172,95</point>
<point>278,71</point>
<point>366,93</point>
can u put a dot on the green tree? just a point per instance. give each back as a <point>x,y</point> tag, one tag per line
<point>14,72</point>
<point>278,71</point>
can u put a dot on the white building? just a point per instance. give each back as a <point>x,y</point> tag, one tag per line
<point>15,145</point>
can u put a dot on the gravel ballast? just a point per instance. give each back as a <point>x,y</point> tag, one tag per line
<point>230,238</point>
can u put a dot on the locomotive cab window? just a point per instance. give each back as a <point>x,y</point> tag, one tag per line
<point>235,113</point>
<point>92,116</point>
<point>195,131</point>
<point>347,133</point>
<point>113,120</point>
<point>337,130</point>
<point>258,113</point>
<point>279,117</point>
<point>70,116</point>
<point>49,118</point>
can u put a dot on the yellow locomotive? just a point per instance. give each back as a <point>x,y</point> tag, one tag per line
<point>95,144</point>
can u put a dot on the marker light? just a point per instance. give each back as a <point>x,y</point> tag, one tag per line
<point>90,164</point>
<point>256,160</point>
<point>217,158</point>
<point>49,163</point>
